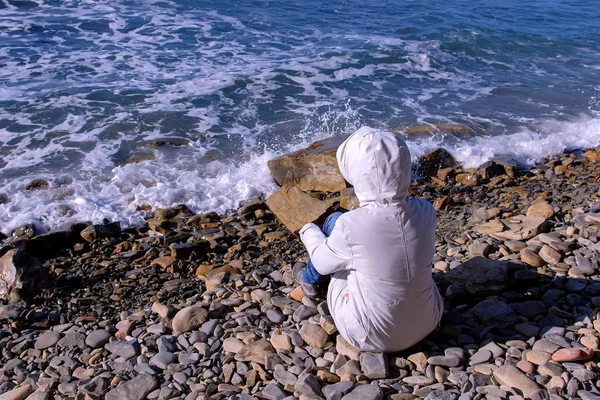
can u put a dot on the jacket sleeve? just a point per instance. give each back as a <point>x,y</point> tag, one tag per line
<point>328,254</point>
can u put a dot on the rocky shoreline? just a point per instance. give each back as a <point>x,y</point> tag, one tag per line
<point>203,306</point>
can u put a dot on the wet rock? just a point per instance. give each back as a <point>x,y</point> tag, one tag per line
<point>94,232</point>
<point>467,179</point>
<point>428,129</point>
<point>29,231</point>
<point>430,163</point>
<point>37,184</point>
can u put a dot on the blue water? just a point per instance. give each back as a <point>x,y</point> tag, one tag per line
<point>85,85</point>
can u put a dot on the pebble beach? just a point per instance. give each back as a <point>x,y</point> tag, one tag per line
<point>204,307</point>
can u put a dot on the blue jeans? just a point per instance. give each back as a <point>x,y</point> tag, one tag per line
<point>310,274</point>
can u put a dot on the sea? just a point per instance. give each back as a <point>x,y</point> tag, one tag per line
<point>124,105</point>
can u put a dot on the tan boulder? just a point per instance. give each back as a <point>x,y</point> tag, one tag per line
<point>550,255</point>
<point>281,341</point>
<point>313,168</point>
<point>346,349</point>
<point>294,208</point>
<point>216,276</point>
<point>540,209</point>
<point>510,376</point>
<point>189,318</point>
<point>314,335</point>
<point>530,257</point>
<point>519,227</point>
<point>255,352</point>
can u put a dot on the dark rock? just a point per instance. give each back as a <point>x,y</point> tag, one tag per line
<point>530,309</point>
<point>21,276</point>
<point>37,184</point>
<point>430,163</point>
<point>481,276</point>
<point>29,231</point>
<point>495,313</point>
<point>490,169</point>
<point>94,232</point>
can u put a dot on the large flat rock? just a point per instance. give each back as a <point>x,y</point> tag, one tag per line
<point>519,227</point>
<point>314,168</point>
<point>294,208</point>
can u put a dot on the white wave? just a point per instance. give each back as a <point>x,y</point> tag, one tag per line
<point>527,146</point>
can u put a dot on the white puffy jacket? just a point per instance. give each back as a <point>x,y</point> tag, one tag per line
<point>381,296</point>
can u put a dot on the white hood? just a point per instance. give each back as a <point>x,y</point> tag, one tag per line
<point>381,295</point>
<point>378,165</point>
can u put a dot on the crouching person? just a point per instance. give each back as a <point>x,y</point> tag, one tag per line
<point>381,294</point>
